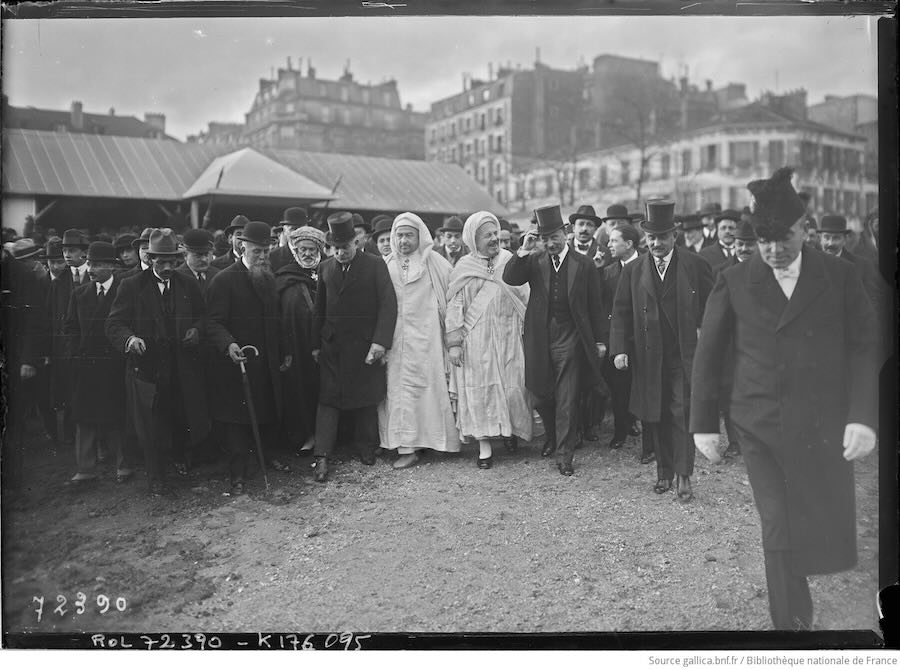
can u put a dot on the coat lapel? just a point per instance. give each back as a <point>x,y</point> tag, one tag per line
<point>347,279</point>
<point>151,299</point>
<point>544,266</point>
<point>574,267</point>
<point>647,268</point>
<point>764,288</point>
<point>809,285</point>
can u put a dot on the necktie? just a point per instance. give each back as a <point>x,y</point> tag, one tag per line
<point>556,261</point>
<point>77,276</point>
<point>583,248</point>
<point>100,290</point>
<point>661,266</point>
<point>201,277</point>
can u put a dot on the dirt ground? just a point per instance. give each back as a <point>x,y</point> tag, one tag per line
<point>440,547</point>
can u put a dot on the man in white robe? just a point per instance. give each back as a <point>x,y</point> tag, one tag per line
<point>485,318</point>
<point>416,412</point>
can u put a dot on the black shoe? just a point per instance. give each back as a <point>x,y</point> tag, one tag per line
<point>321,469</point>
<point>647,458</point>
<point>685,493</point>
<point>734,449</point>
<point>367,458</point>
<point>589,435</point>
<point>617,443</point>
<point>548,449</point>
<point>485,463</point>
<point>511,443</point>
<point>565,469</point>
<point>634,431</point>
<point>662,485</point>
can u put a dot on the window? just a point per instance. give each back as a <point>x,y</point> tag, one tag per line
<point>485,95</point>
<point>498,195</point>
<point>743,155</point>
<point>871,202</point>
<point>710,156</point>
<point>734,197</point>
<point>829,158</point>
<point>386,98</point>
<point>498,169</point>
<point>471,98</point>
<point>603,176</point>
<point>828,200</point>
<point>852,161</point>
<point>453,154</point>
<point>345,94</point>
<point>686,167</point>
<point>326,114</point>
<point>584,179</point>
<point>290,108</point>
<point>323,90</point>
<point>808,155</point>
<point>286,132</point>
<point>499,144</point>
<point>776,155</point>
<point>625,168</point>
<point>665,168</point>
<point>531,189</point>
<point>710,195</point>
<point>345,117</point>
<point>500,89</point>
<point>366,96</point>
<point>851,203</point>
<point>548,184</point>
<point>481,122</point>
<point>498,120</point>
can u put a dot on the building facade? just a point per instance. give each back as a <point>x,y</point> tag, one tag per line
<point>297,111</point>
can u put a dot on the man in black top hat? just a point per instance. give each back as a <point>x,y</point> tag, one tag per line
<point>452,247</point>
<point>804,399</point>
<point>355,315</point>
<point>98,367</point>
<point>655,322</point>
<point>722,252</point>
<point>565,328</point>
<point>294,217</point>
<point>232,234</point>
<point>157,322</point>
<point>243,309</point>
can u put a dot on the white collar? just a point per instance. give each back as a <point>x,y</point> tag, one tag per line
<point>562,254</point>
<point>667,258</point>
<point>575,244</point>
<point>244,261</point>
<point>79,270</point>
<point>795,264</point>
<point>634,255</point>
<point>107,284</point>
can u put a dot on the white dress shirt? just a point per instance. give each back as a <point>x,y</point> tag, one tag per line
<point>106,286</point>
<point>668,259</point>
<point>562,256</point>
<point>787,277</point>
<point>633,256</point>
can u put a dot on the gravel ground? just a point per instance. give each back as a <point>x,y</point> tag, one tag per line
<point>440,547</point>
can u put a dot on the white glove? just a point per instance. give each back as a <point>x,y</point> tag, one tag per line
<point>859,440</point>
<point>708,445</point>
<point>621,361</point>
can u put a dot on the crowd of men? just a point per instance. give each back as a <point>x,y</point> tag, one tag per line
<point>295,339</point>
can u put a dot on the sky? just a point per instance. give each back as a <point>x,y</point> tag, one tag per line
<point>196,70</point>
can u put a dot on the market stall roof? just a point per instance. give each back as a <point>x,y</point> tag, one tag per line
<point>248,173</point>
<point>390,184</point>
<point>37,162</point>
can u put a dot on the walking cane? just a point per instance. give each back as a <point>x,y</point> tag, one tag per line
<point>246,382</point>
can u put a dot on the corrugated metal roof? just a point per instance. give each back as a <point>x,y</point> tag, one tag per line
<point>390,184</point>
<point>37,162</point>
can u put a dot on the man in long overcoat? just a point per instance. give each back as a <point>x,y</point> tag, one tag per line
<point>655,320</point>
<point>242,309</point>
<point>566,329</point>
<point>804,400</point>
<point>355,315</point>
<point>157,320</point>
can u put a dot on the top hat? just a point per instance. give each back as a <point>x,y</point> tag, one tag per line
<point>163,242</point>
<point>616,212</point>
<point>53,250</point>
<point>710,209</point>
<point>453,225</point>
<point>691,222</point>
<point>257,232</point>
<point>745,232</point>
<point>777,206</point>
<point>340,228</point>
<point>728,214</point>
<point>585,212</point>
<point>381,224</point>
<point>549,219</point>
<point>124,241</point>
<point>660,217</point>
<point>103,252</point>
<point>294,216</point>
<point>75,238</point>
<point>197,240</point>
<point>25,248</point>
<point>237,223</point>
<point>143,239</point>
<point>833,223</point>
<point>359,222</point>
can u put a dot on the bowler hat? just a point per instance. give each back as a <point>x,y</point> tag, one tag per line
<point>710,209</point>
<point>381,224</point>
<point>53,250</point>
<point>745,232</point>
<point>237,223</point>
<point>257,232</point>
<point>124,241</point>
<point>163,242</point>
<point>549,219</point>
<point>617,212</point>
<point>776,205</point>
<point>197,240</point>
<point>585,212</point>
<point>833,223</point>
<point>144,238</point>
<point>728,214</point>
<point>453,225</point>
<point>691,222</point>
<point>294,216</point>
<point>340,228</point>
<point>359,222</point>
<point>102,252</point>
<point>75,238</point>
<point>660,217</point>
<point>25,248</point>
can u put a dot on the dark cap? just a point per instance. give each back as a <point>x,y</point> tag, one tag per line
<point>197,240</point>
<point>257,232</point>
<point>103,252</point>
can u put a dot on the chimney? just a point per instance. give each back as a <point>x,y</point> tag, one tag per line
<point>156,120</point>
<point>709,85</point>
<point>76,117</point>
<point>683,84</point>
<point>490,72</point>
<point>112,111</point>
<point>289,64</point>
<point>310,70</point>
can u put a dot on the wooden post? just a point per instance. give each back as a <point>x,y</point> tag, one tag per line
<point>195,214</point>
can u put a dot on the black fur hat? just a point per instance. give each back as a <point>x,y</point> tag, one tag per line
<point>776,205</point>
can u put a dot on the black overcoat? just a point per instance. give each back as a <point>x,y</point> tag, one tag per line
<point>137,311</point>
<point>210,273</point>
<point>59,293</point>
<point>98,366</point>
<point>635,327</point>
<point>802,370</point>
<point>351,314</point>
<point>585,302</point>
<point>237,312</point>
<point>715,256</point>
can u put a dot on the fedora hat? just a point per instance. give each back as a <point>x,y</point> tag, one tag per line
<point>25,248</point>
<point>585,212</point>
<point>691,222</point>
<point>453,225</point>
<point>295,217</point>
<point>237,223</point>
<point>124,241</point>
<point>728,214</point>
<point>143,239</point>
<point>549,219</point>
<point>52,250</point>
<point>710,209</point>
<point>833,223</point>
<point>197,240</point>
<point>257,232</point>
<point>163,242</point>
<point>381,224</point>
<point>102,252</point>
<point>745,232</point>
<point>340,228</point>
<point>617,212</point>
<point>777,207</point>
<point>660,217</point>
<point>359,222</point>
<point>75,238</point>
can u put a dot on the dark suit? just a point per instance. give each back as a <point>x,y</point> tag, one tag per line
<point>352,311</point>
<point>210,273</point>
<point>655,323</point>
<point>98,375</point>
<point>559,350</point>
<point>280,257</point>
<point>452,259</point>
<point>802,370</point>
<point>239,312</point>
<point>224,260</point>
<point>715,256</point>
<point>58,373</point>
<point>619,381</point>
